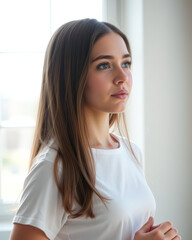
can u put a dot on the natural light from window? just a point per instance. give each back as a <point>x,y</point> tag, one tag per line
<point>25,28</point>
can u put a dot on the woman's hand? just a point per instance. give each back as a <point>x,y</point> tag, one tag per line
<point>162,231</point>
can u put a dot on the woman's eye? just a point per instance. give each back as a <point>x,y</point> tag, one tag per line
<point>103,66</point>
<point>126,65</point>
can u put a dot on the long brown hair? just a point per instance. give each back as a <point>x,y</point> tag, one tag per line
<point>61,115</point>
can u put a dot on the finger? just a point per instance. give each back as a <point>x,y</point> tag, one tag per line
<point>171,234</point>
<point>154,227</point>
<point>165,227</point>
<point>147,226</point>
<point>177,238</point>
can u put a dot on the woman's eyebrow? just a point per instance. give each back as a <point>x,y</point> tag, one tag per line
<point>109,57</point>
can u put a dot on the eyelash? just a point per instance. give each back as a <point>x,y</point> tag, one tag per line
<point>102,66</point>
<point>106,65</point>
<point>128,63</point>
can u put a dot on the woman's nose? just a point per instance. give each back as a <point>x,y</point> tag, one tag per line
<point>121,76</point>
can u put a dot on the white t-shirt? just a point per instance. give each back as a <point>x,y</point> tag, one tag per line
<point>118,177</point>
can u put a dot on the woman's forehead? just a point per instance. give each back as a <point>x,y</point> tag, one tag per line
<point>109,44</point>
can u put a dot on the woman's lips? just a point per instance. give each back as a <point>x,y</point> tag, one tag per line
<point>121,94</point>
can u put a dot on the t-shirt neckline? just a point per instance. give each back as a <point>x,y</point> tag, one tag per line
<point>107,150</point>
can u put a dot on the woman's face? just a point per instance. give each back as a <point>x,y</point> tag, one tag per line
<point>109,80</point>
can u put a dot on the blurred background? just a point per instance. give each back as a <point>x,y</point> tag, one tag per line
<point>159,113</point>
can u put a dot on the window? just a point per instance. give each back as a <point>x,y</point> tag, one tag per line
<point>26,27</point>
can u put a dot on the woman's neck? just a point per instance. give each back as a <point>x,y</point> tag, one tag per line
<point>98,130</point>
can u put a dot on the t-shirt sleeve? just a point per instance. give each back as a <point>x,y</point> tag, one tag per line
<point>41,203</point>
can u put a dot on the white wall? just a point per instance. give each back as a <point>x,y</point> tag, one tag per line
<point>168,108</point>
<point>160,111</point>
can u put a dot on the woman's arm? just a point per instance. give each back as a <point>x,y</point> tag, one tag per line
<point>27,232</point>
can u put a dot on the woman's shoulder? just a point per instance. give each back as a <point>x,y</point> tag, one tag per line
<point>43,163</point>
<point>47,154</point>
<point>41,197</point>
<point>135,148</point>
<point>127,142</point>
<point>138,153</point>
<point>132,147</point>
<point>42,170</point>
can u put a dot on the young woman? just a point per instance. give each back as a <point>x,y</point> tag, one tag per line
<point>86,182</point>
